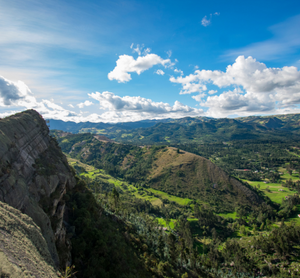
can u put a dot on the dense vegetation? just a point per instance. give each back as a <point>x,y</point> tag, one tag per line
<point>175,228</point>
<point>250,159</point>
<point>162,168</point>
<point>207,246</point>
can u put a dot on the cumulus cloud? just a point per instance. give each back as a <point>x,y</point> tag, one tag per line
<point>13,92</point>
<point>17,95</point>
<point>199,97</point>
<point>86,103</point>
<point>189,84</point>
<point>113,108</point>
<point>138,108</point>
<point>211,92</point>
<point>234,102</point>
<point>258,88</point>
<point>178,71</point>
<point>127,64</point>
<point>160,72</point>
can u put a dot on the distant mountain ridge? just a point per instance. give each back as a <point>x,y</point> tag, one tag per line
<point>192,130</point>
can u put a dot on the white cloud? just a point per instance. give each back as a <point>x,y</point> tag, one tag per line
<point>211,92</point>
<point>178,71</point>
<point>259,89</point>
<point>138,48</point>
<point>205,22</point>
<point>199,97</point>
<point>160,72</point>
<point>70,105</point>
<point>86,103</point>
<point>15,94</point>
<point>189,84</point>
<point>130,108</point>
<point>127,64</point>
<point>235,102</point>
<point>11,92</point>
<point>146,51</point>
<point>169,53</point>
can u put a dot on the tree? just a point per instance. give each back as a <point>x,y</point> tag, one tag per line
<point>172,248</point>
<point>116,195</point>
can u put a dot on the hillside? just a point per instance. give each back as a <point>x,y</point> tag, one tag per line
<point>186,174</point>
<point>236,229</point>
<point>173,171</point>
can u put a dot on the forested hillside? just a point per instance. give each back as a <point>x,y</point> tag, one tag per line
<point>239,221</point>
<point>171,170</point>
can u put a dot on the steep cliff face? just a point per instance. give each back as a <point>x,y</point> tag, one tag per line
<point>34,176</point>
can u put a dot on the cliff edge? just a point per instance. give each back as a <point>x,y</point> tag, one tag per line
<point>34,177</point>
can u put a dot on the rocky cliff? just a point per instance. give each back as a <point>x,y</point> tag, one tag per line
<point>23,249</point>
<point>34,176</point>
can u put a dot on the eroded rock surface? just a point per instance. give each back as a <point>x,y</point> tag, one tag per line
<point>23,249</point>
<point>34,176</point>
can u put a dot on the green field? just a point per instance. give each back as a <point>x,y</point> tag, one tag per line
<point>163,223</point>
<point>178,200</point>
<point>276,192</point>
<point>228,215</point>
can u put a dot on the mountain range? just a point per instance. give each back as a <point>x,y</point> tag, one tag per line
<point>189,130</point>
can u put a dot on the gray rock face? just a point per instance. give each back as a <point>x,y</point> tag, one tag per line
<point>34,176</point>
<point>23,249</point>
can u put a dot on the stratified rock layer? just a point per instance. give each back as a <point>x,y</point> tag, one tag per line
<point>34,176</point>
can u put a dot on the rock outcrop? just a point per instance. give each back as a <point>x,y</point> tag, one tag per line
<point>34,177</point>
<point>23,249</point>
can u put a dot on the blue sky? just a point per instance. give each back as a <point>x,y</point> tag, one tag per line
<point>114,61</point>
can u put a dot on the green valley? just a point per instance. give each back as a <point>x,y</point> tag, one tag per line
<point>221,203</point>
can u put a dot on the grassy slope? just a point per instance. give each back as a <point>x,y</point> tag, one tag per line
<point>277,192</point>
<point>93,173</point>
<point>191,175</point>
